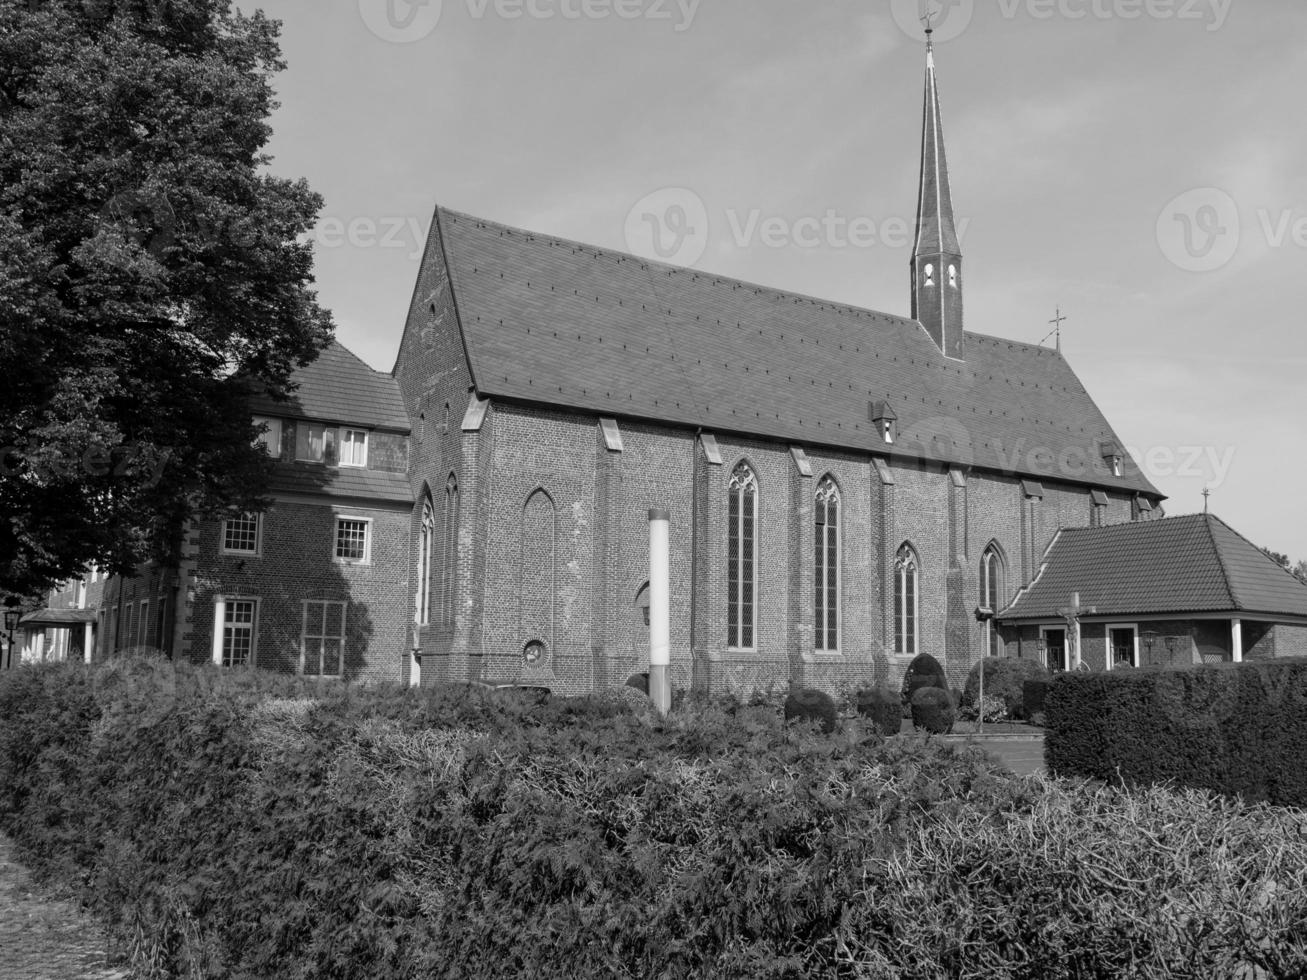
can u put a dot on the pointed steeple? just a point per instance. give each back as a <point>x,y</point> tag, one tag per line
<point>937,256</point>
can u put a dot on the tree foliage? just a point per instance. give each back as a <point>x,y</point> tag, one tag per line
<point>152,274</point>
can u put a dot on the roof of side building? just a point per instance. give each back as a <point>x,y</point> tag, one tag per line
<point>338,387</point>
<point>1195,563</point>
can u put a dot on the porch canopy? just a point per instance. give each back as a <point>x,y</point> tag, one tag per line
<point>56,618</point>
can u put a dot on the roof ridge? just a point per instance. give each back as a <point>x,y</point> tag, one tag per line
<point>366,366</point>
<point>1259,550</point>
<point>1220,558</point>
<point>668,267</point>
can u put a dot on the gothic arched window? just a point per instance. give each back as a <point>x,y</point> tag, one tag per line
<point>826,574</point>
<point>953,276</point>
<point>906,601</point>
<point>930,274</point>
<point>449,552</point>
<point>426,544</point>
<point>742,558</point>
<point>991,594</point>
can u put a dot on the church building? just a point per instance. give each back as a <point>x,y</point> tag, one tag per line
<point>846,489</point>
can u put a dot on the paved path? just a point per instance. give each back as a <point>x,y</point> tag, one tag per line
<point>44,938</point>
<point>1022,755</point>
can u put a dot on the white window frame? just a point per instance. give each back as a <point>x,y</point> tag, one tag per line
<point>367,540</point>
<point>306,635</point>
<point>258,538</point>
<point>1107,639</point>
<point>344,440</point>
<point>221,608</point>
<point>992,566</point>
<point>270,440</point>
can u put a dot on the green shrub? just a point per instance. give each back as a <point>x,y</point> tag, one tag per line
<point>923,671</point>
<point>639,682</point>
<point>811,705</point>
<point>882,706</point>
<point>1237,729</point>
<point>1005,678</point>
<point>933,710</point>
<point>1034,694</point>
<point>236,825</point>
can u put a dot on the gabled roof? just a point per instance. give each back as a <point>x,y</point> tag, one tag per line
<point>1191,564</point>
<point>338,387</point>
<point>553,321</point>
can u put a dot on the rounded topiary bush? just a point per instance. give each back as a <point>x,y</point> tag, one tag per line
<point>1005,678</point>
<point>639,682</point>
<point>809,704</point>
<point>933,710</point>
<point>882,706</point>
<point>924,671</point>
<point>628,697</point>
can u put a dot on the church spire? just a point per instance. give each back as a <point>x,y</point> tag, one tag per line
<point>937,256</point>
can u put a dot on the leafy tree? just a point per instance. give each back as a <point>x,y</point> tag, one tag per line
<point>152,274</point>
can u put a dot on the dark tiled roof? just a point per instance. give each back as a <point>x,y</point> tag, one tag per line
<point>1195,563</point>
<point>557,322</point>
<point>342,481</point>
<point>57,618</point>
<point>338,387</point>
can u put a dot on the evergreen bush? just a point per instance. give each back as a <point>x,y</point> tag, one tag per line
<point>883,707</point>
<point>923,671</point>
<point>932,710</point>
<point>1005,678</point>
<point>811,705</point>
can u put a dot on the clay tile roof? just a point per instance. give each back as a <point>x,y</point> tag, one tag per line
<point>561,323</point>
<point>340,388</point>
<point>344,482</point>
<point>1195,563</point>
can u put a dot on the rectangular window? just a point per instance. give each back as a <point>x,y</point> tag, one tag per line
<point>271,439</point>
<point>353,447</point>
<point>1122,645</point>
<point>240,535</point>
<point>315,443</point>
<point>352,540</point>
<point>322,639</point>
<point>237,636</point>
<point>143,624</point>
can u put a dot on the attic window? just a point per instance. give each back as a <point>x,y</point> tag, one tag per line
<point>886,421</point>
<point>1113,458</point>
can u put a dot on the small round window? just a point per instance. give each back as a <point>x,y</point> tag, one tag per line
<point>534,652</point>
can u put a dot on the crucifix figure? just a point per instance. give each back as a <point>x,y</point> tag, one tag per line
<point>1072,614</point>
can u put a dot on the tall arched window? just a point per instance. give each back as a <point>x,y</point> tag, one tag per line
<point>449,553</point>
<point>905,601</point>
<point>742,558</point>
<point>826,575</point>
<point>991,594</point>
<point>426,544</point>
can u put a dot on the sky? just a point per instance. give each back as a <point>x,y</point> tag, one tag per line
<point>1137,164</point>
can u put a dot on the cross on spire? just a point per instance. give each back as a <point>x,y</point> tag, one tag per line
<point>1057,322</point>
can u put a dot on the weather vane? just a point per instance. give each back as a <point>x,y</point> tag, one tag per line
<point>928,18</point>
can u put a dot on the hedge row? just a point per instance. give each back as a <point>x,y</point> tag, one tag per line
<point>232,825</point>
<point>1238,729</point>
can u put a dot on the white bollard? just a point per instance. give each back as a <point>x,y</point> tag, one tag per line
<point>660,616</point>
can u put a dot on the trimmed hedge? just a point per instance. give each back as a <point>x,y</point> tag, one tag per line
<point>923,671</point>
<point>811,705</point>
<point>1005,678</point>
<point>933,710</point>
<point>1237,729</point>
<point>239,825</point>
<point>882,707</point>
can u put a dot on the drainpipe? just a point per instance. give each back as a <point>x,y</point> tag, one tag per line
<point>660,648</point>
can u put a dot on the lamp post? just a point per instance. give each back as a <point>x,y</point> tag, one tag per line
<point>12,616</point>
